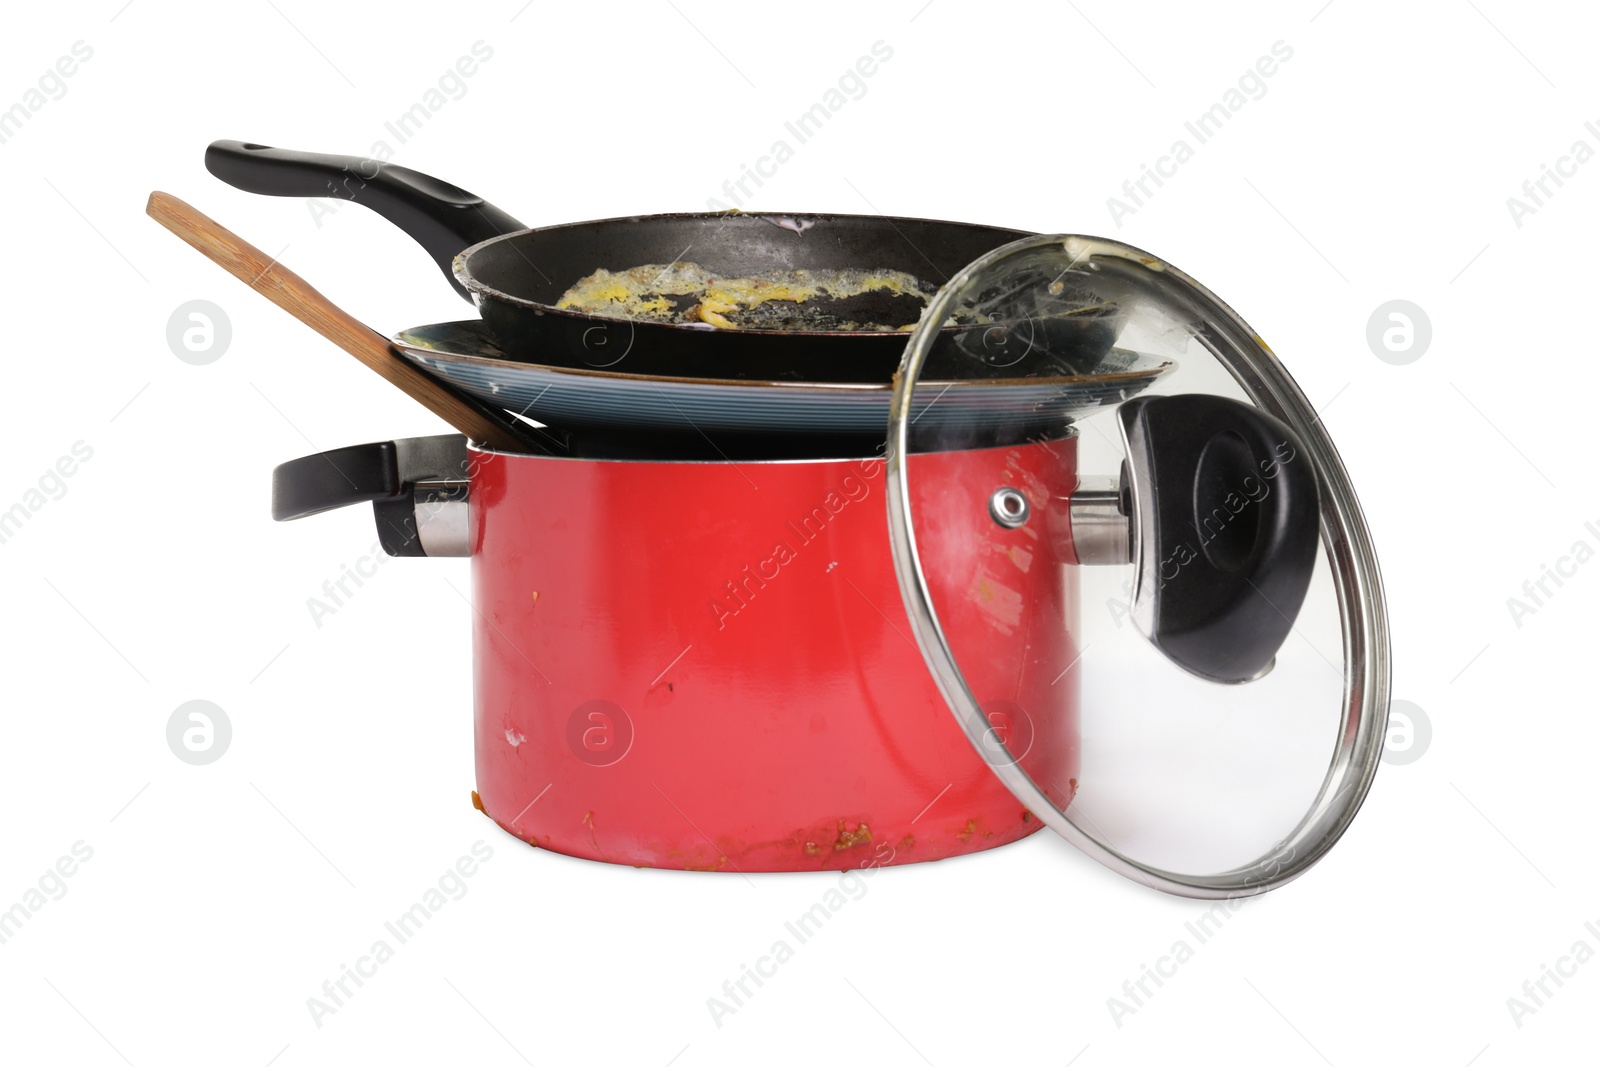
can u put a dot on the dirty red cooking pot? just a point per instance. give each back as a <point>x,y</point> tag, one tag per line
<point>707,665</point>
<point>793,654</point>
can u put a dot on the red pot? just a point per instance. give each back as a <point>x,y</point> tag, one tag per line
<point>708,666</point>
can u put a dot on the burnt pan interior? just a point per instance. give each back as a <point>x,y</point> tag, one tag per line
<point>540,265</point>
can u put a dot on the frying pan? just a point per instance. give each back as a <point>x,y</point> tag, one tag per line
<point>516,275</point>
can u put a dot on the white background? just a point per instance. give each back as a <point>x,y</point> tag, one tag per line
<point>1376,166</point>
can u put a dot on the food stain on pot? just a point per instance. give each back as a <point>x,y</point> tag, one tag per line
<point>685,861</point>
<point>968,831</point>
<point>1000,604</point>
<point>861,835</point>
<point>844,838</point>
<point>588,820</point>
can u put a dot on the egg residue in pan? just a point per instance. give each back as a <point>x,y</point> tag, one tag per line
<point>685,293</point>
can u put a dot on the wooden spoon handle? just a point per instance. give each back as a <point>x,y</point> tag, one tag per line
<point>481,423</point>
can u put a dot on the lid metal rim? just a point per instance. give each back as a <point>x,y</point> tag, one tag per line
<point>1346,540</point>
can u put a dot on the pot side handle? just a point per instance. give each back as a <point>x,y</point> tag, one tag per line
<point>417,487</point>
<point>1222,501</point>
<point>444,219</point>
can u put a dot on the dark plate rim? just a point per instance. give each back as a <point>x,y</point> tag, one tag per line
<point>1155,368</point>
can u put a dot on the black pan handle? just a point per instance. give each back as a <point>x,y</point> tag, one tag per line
<point>386,473</point>
<point>441,217</point>
<point>1223,500</point>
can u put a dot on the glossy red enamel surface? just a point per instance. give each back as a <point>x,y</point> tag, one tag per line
<point>708,665</point>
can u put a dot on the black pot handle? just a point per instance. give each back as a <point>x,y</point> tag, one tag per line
<point>400,478</point>
<point>1222,499</point>
<point>441,217</point>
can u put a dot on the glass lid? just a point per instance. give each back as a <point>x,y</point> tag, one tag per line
<point>1161,623</point>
